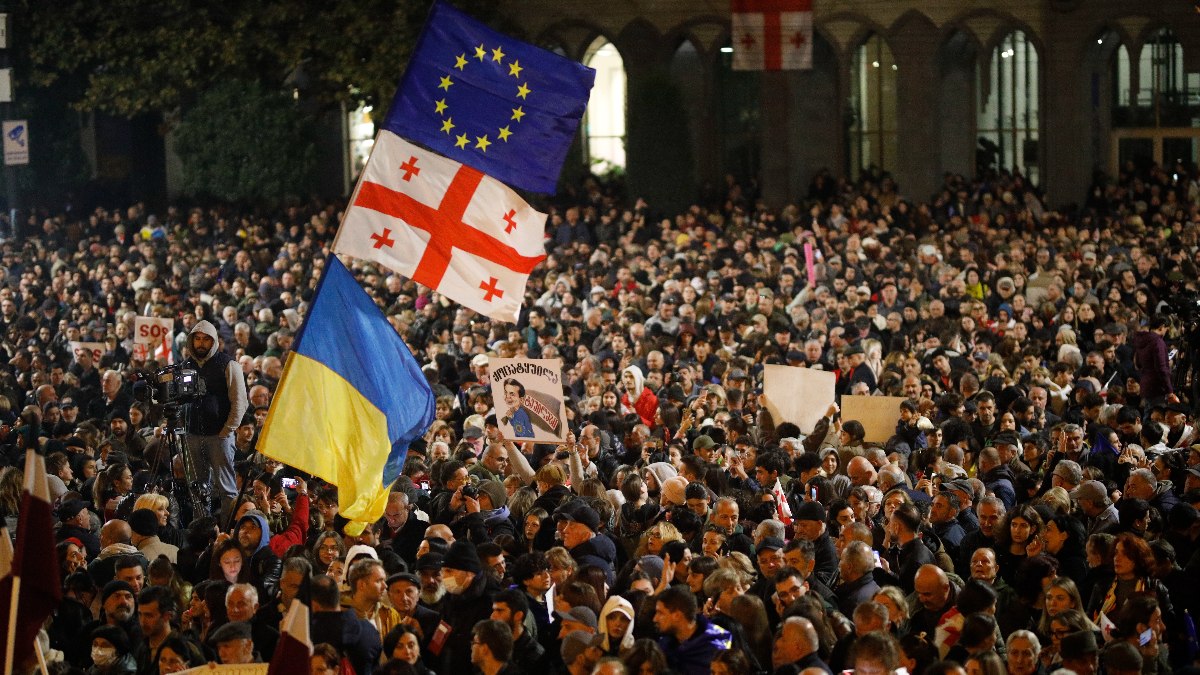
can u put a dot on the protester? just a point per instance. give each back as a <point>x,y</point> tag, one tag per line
<point>1046,431</point>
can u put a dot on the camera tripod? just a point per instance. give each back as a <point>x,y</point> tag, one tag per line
<point>175,438</point>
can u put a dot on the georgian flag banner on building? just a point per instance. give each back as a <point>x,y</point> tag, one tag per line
<point>772,34</point>
<point>444,225</point>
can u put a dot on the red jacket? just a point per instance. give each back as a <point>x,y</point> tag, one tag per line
<point>297,531</point>
<point>646,406</point>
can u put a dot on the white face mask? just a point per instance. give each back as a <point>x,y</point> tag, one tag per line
<point>452,585</point>
<point>104,656</point>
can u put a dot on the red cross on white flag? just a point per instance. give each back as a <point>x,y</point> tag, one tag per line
<point>772,34</point>
<point>444,225</point>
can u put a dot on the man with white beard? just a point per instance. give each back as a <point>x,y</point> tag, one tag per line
<point>429,568</point>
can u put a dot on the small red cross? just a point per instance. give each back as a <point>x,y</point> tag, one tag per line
<point>410,168</point>
<point>512,222</point>
<point>748,41</point>
<point>489,289</point>
<point>798,40</point>
<point>382,240</point>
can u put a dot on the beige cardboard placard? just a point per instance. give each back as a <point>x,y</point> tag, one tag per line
<point>797,395</point>
<point>878,415</point>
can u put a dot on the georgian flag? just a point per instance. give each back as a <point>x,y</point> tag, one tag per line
<point>772,34</point>
<point>444,225</point>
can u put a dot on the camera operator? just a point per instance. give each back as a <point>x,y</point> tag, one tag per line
<point>215,416</point>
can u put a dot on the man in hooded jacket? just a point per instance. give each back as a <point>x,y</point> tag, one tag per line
<point>216,415</point>
<point>254,537</point>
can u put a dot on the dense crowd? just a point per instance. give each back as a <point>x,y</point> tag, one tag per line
<point>1035,508</point>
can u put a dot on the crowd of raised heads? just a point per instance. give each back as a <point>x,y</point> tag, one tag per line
<point>1034,508</point>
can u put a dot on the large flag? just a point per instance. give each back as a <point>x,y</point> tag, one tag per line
<point>351,399</point>
<point>293,652</point>
<point>503,106</point>
<point>772,34</point>
<point>444,225</point>
<point>38,590</point>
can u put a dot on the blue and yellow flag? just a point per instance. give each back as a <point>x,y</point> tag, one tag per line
<point>351,399</point>
<point>502,106</point>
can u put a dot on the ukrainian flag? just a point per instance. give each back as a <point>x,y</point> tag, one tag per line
<point>351,399</point>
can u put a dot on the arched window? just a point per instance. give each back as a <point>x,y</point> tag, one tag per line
<point>873,97</point>
<point>604,125</point>
<point>1008,110</point>
<point>1123,85</point>
<point>1167,95</point>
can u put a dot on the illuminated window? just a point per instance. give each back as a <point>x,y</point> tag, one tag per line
<point>604,125</point>
<point>873,139</point>
<point>360,138</point>
<point>1008,108</point>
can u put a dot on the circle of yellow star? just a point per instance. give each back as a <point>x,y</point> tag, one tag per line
<point>504,134</point>
<point>440,106</point>
<point>460,61</point>
<point>523,90</point>
<point>482,142</point>
<point>446,82</point>
<point>497,55</point>
<point>461,141</point>
<point>480,52</point>
<point>447,124</point>
<point>518,113</point>
<point>515,68</point>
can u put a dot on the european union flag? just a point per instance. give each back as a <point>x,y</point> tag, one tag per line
<point>502,106</point>
<point>351,399</point>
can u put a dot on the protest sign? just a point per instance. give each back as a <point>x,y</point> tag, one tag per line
<point>797,395</point>
<point>97,349</point>
<point>528,395</point>
<point>152,338</point>
<point>878,415</point>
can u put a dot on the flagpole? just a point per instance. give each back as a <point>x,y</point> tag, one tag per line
<point>354,195</point>
<point>37,646</point>
<point>11,639</point>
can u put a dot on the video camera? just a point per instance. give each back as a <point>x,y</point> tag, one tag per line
<point>1184,305</point>
<point>171,385</point>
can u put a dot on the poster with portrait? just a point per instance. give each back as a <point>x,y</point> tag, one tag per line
<point>798,395</point>
<point>528,396</point>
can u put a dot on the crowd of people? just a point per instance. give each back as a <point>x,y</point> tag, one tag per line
<point>1035,508</point>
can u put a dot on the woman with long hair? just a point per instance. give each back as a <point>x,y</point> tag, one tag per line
<point>229,564</point>
<point>327,548</point>
<point>111,486</point>
<point>1133,567</point>
<point>750,614</point>
<point>1013,538</point>
<point>1061,595</point>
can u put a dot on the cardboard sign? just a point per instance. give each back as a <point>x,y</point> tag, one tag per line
<point>528,395</point>
<point>798,395</point>
<point>97,349</point>
<point>878,415</point>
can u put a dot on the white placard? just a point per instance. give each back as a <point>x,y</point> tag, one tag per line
<point>798,395</point>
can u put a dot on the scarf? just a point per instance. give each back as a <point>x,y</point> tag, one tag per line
<point>1110,598</point>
